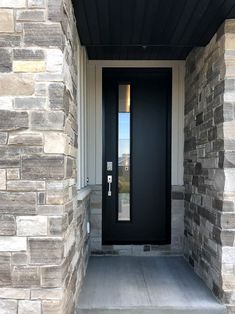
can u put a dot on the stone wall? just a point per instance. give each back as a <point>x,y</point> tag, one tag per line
<point>177,229</point>
<point>209,163</point>
<point>43,240</point>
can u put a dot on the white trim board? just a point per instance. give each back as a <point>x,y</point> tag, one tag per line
<point>94,98</point>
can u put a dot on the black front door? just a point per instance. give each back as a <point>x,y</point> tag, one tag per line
<point>136,156</point>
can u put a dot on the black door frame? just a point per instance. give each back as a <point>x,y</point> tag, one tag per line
<point>168,154</point>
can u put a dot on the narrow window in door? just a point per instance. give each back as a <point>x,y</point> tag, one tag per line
<point>124,151</point>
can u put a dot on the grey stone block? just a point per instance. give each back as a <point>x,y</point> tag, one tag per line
<point>47,120</point>
<point>56,96</point>
<point>25,185</point>
<point>52,277</point>
<point>43,35</point>
<point>30,103</point>
<point>5,60</point>
<point>55,10</point>
<point>7,225</point>
<point>10,40</point>
<point>26,139</point>
<point>28,54</point>
<point>30,15</point>
<point>45,251</point>
<point>19,258</point>
<point>3,138</point>
<point>11,120</point>
<point>69,167</point>
<point>58,225</point>
<point>9,157</point>
<point>43,167</point>
<point>41,198</point>
<point>5,269</point>
<point>25,276</point>
<point>17,203</point>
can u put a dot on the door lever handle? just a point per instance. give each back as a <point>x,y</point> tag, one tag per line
<point>109,180</point>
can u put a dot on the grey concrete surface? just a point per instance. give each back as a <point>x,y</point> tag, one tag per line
<point>144,285</point>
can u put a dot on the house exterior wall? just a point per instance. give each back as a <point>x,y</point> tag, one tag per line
<point>209,163</point>
<point>43,239</point>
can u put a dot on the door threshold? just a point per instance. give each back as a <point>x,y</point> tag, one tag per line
<point>138,250</point>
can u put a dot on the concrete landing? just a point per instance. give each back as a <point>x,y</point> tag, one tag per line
<point>144,285</point>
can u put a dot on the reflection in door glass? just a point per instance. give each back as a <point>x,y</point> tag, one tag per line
<point>124,153</point>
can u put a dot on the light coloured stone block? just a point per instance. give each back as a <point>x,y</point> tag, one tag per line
<point>229,180</point>
<point>6,103</point>
<point>50,210</point>
<point>25,185</point>
<point>2,179</point>
<point>57,193</point>
<point>227,131</point>
<point>52,307</point>
<point>6,21</point>
<point>13,244</point>
<point>15,85</point>
<point>36,3</point>
<point>229,42</point>
<point>54,60</point>
<point>29,66</point>
<point>54,143</point>
<point>31,226</point>
<point>29,307</point>
<point>14,293</point>
<point>47,294</point>
<point>228,255</point>
<point>12,3</point>
<point>8,307</point>
<point>69,242</point>
<point>13,174</point>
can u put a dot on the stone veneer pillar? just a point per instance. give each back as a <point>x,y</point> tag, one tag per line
<point>43,242</point>
<point>210,163</point>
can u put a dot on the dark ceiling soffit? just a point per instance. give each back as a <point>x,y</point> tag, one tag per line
<point>166,29</point>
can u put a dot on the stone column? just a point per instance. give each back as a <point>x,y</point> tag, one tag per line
<point>209,163</point>
<point>42,230</point>
<point>226,199</point>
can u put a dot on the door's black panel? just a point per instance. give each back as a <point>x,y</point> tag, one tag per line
<point>150,156</point>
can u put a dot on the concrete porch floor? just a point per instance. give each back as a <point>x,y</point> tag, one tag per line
<point>144,285</point>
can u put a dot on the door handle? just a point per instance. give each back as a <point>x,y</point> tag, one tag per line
<point>110,180</point>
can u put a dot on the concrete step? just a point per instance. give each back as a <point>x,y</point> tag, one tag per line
<point>144,285</point>
<point>159,310</point>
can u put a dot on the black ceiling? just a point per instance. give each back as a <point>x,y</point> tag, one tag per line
<point>148,29</point>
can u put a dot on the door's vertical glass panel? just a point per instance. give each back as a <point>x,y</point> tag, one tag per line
<point>124,150</point>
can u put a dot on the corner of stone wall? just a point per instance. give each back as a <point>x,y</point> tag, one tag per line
<point>209,162</point>
<point>43,240</point>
